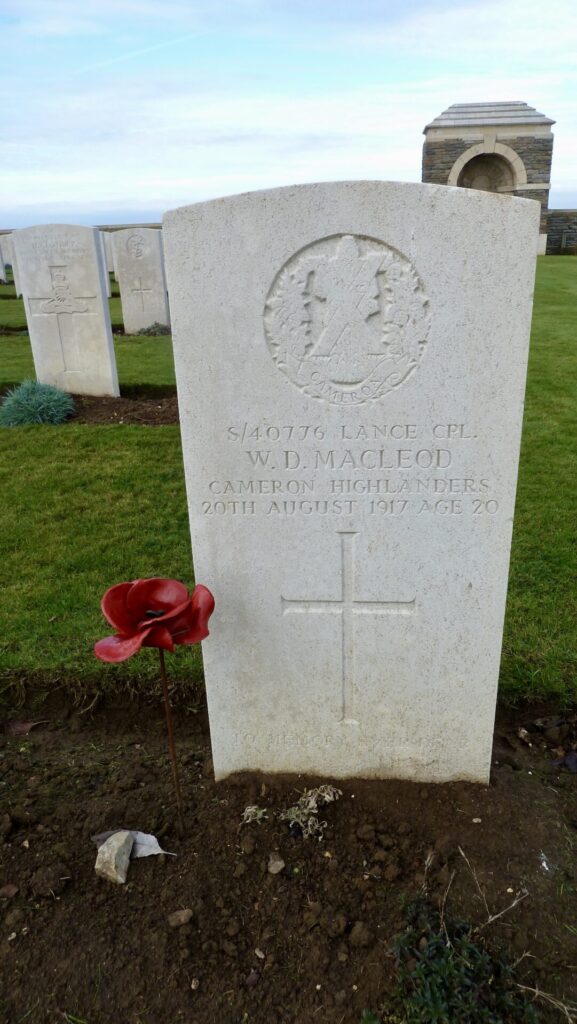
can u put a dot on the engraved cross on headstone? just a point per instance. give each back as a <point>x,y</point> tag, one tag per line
<point>64,307</point>
<point>140,291</point>
<point>347,607</point>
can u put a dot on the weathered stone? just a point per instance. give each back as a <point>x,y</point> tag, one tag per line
<point>62,278</point>
<point>351,433</point>
<point>275,863</point>
<point>113,857</point>
<point>180,917</point>
<point>139,268</point>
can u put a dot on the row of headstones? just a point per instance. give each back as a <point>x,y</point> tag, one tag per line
<point>63,274</point>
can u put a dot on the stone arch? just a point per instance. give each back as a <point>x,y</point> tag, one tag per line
<point>497,150</point>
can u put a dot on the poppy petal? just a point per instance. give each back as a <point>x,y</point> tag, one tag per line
<point>167,618</point>
<point>119,648</point>
<point>159,637</point>
<point>114,608</point>
<point>155,594</point>
<point>201,608</point>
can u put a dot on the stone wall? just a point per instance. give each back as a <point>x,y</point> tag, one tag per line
<point>439,155</point>
<point>562,228</point>
<point>541,197</point>
<point>536,153</point>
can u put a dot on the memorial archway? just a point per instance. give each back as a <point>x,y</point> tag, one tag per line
<point>487,172</point>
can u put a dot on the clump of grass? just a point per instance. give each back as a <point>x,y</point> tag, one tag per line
<point>32,402</point>
<point>304,814</point>
<point>448,975</point>
<point>153,330</point>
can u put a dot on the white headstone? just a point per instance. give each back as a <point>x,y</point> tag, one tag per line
<point>10,256</point>
<point>139,263</point>
<point>351,364</point>
<point>66,308</point>
<point>4,261</point>
<point>109,248</point>
<point>104,263</point>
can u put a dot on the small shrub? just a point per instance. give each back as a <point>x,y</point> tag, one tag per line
<point>154,330</point>
<point>32,402</point>
<point>447,975</point>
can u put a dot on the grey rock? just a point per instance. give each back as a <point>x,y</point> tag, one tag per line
<point>114,857</point>
<point>179,917</point>
<point>275,863</point>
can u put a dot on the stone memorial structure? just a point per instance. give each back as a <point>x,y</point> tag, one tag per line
<point>10,257</point>
<point>496,147</point>
<point>109,249</point>
<point>66,308</point>
<point>351,364</point>
<point>104,260</point>
<point>139,268</point>
<point>4,261</point>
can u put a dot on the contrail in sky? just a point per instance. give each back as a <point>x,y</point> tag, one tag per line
<point>133,53</point>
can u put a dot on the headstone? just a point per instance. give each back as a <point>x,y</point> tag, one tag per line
<point>66,308</point>
<point>10,255</point>
<point>4,261</point>
<point>351,364</point>
<point>139,265</point>
<point>107,235</point>
<point>104,263</point>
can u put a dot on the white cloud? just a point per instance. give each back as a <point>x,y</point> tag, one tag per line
<point>147,134</point>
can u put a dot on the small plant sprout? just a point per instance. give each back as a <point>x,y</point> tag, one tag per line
<point>253,813</point>
<point>155,613</point>
<point>304,814</point>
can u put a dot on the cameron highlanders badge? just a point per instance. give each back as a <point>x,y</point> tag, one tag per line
<point>347,319</point>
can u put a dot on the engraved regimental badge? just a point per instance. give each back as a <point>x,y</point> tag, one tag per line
<point>346,319</point>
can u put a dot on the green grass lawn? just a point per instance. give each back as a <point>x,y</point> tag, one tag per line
<point>85,507</point>
<point>141,362</point>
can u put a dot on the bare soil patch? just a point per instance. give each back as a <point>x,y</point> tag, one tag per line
<point>312,944</point>
<point>148,409</point>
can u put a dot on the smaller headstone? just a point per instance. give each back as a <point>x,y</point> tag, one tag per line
<point>10,257</point>
<point>139,265</point>
<point>66,308</point>
<point>4,261</point>
<point>113,857</point>
<point>109,250</point>
<point>104,263</point>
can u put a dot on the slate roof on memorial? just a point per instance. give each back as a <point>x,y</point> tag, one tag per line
<point>467,115</point>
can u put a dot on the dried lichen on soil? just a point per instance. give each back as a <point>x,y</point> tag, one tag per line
<point>310,944</point>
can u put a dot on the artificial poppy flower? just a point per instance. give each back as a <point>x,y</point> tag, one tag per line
<point>153,613</point>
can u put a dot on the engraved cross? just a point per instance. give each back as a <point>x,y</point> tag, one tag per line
<point>65,308</point>
<point>347,606</point>
<point>140,290</point>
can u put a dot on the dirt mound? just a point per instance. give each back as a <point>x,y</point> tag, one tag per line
<point>311,943</point>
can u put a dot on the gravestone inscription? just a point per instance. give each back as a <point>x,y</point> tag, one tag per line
<point>139,268</point>
<point>351,361</point>
<point>62,278</point>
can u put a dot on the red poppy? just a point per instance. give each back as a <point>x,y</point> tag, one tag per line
<point>153,613</point>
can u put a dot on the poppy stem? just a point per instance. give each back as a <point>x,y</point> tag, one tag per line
<point>171,747</point>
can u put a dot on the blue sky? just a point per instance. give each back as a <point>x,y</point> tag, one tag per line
<point>118,110</point>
